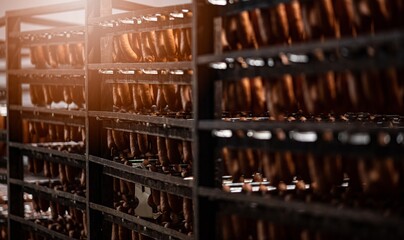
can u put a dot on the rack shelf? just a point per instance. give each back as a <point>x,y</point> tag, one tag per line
<point>160,79</point>
<point>52,79</point>
<point>381,59</point>
<point>46,72</point>
<point>150,129</point>
<point>56,35</point>
<point>159,120</point>
<point>30,225</point>
<point>52,119</point>
<point>133,222</point>
<point>139,14</point>
<point>361,223</point>
<point>42,110</point>
<point>65,198</point>
<point>237,7</point>
<point>158,181</point>
<point>141,66</point>
<point>72,159</point>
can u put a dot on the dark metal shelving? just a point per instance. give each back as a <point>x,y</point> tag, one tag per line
<point>45,72</point>
<point>160,79</point>
<point>150,129</point>
<point>129,220</point>
<point>158,181</point>
<point>65,198</point>
<point>239,6</point>
<point>52,79</point>
<point>141,65</point>
<point>138,13</point>
<point>159,120</point>
<point>42,110</point>
<point>72,159</point>
<point>55,35</point>
<point>382,59</point>
<point>32,226</point>
<point>52,119</point>
<point>362,223</point>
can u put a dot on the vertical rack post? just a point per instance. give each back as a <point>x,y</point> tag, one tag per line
<point>204,108</point>
<point>97,182</point>
<point>15,168</point>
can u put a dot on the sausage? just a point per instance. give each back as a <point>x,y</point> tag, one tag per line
<point>143,142</point>
<point>262,26</point>
<point>136,96</point>
<point>243,93</point>
<point>135,43</point>
<point>162,151</point>
<point>167,36</point>
<point>147,52</point>
<point>116,99</point>
<point>125,94</point>
<point>173,152</point>
<point>146,97</point>
<point>347,17</point>
<point>171,96</point>
<point>133,143</point>
<point>56,93</point>
<point>329,25</point>
<point>76,92</point>
<point>381,14</point>
<point>67,97</point>
<point>245,31</point>
<point>39,57</point>
<point>280,26</point>
<point>160,99</point>
<point>257,96</point>
<point>110,140</point>
<point>119,140</point>
<point>53,58</point>
<point>187,151</point>
<point>126,48</point>
<point>295,19</point>
<point>231,163</point>
<point>185,45</point>
<point>186,97</point>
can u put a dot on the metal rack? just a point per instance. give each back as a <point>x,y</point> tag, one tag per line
<point>103,25</point>
<point>55,32</point>
<point>214,130</point>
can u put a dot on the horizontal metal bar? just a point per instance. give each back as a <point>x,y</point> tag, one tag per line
<point>146,27</point>
<point>55,8</point>
<point>27,71</point>
<point>39,228</point>
<point>378,62</point>
<point>140,13</point>
<point>52,119</point>
<point>53,80</point>
<point>71,159</point>
<point>129,218</point>
<point>149,129</point>
<point>308,47</point>
<point>267,125</point>
<point>65,198</point>
<point>316,216</point>
<point>160,79</point>
<point>140,66</point>
<point>158,181</point>
<point>43,110</point>
<point>239,6</point>
<point>45,22</point>
<point>160,120</point>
